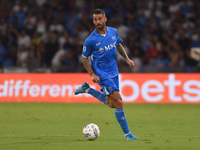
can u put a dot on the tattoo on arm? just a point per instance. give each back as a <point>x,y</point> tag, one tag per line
<point>122,51</point>
<point>87,65</point>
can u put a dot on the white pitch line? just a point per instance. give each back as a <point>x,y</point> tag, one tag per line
<point>60,135</point>
<point>178,135</point>
<point>38,135</point>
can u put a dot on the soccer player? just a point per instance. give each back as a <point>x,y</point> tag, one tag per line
<point>101,47</point>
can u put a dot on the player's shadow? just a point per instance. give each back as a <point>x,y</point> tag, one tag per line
<point>83,140</point>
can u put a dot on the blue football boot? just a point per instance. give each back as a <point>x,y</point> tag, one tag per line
<point>83,88</point>
<point>130,136</point>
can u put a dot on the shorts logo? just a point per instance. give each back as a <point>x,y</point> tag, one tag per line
<point>84,49</point>
<point>109,88</point>
<point>113,38</point>
<point>101,50</point>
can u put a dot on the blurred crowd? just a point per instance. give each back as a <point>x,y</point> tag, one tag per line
<point>50,33</point>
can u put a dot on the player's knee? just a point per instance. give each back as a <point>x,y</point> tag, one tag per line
<point>118,102</point>
<point>118,99</point>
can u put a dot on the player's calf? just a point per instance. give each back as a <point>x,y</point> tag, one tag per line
<point>85,88</point>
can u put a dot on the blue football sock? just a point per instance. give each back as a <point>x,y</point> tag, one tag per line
<point>121,118</point>
<point>100,96</point>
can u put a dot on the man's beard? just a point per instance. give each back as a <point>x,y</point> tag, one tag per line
<point>101,27</point>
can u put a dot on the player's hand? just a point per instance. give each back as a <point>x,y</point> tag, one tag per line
<point>130,62</point>
<point>95,78</point>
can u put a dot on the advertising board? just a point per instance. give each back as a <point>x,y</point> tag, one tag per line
<point>134,88</point>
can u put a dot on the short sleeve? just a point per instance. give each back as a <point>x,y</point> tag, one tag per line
<point>87,48</point>
<point>119,40</point>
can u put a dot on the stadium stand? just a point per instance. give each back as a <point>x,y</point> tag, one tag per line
<point>47,35</point>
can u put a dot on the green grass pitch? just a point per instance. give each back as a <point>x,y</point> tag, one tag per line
<point>58,126</point>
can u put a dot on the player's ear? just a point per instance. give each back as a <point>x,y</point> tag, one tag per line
<point>105,19</point>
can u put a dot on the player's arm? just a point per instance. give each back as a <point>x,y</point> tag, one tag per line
<point>88,67</point>
<point>123,53</point>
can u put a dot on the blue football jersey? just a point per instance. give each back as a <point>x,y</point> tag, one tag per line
<point>102,49</point>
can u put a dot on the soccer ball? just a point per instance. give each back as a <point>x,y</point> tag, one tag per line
<point>91,131</point>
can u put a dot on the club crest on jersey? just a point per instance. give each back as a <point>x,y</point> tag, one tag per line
<point>84,49</point>
<point>101,50</point>
<point>113,37</point>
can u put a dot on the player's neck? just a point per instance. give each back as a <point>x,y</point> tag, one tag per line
<point>102,32</point>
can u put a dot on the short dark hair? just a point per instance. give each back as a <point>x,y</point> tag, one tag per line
<point>99,11</point>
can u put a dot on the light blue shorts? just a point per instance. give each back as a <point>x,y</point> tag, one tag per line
<point>109,85</point>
